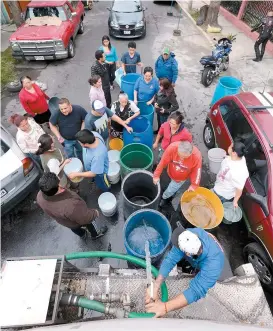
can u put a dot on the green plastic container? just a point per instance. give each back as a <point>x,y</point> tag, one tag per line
<point>135,157</point>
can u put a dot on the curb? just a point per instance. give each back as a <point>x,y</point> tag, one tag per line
<point>197,27</point>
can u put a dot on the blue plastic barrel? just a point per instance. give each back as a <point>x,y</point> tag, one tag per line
<point>226,86</point>
<point>128,83</point>
<point>154,219</point>
<point>142,132</point>
<point>146,111</point>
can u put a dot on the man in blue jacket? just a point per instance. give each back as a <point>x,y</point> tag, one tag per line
<point>166,66</point>
<point>204,253</point>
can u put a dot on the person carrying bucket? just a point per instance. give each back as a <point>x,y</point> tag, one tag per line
<point>68,208</point>
<point>146,87</point>
<point>232,176</point>
<point>126,110</point>
<point>183,161</point>
<point>95,159</point>
<point>130,59</point>
<point>204,253</point>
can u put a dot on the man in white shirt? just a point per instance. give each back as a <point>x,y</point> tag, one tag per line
<point>233,174</point>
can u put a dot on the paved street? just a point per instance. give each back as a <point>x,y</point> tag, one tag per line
<point>27,231</point>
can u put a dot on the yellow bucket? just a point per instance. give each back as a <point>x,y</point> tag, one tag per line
<point>213,204</point>
<point>116,144</point>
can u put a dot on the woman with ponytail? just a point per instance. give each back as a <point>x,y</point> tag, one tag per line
<point>48,152</point>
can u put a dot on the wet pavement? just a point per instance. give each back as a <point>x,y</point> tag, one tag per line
<point>27,231</point>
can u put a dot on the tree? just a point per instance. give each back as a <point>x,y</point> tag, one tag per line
<point>15,11</point>
<point>212,17</point>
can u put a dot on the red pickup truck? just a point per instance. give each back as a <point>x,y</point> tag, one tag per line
<point>49,30</point>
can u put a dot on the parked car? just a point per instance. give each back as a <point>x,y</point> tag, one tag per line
<point>127,19</point>
<point>49,30</point>
<point>249,117</point>
<point>18,173</point>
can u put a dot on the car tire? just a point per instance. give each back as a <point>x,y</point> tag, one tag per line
<point>71,49</point>
<point>144,33</point>
<point>14,86</point>
<point>81,28</point>
<point>207,76</point>
<point>255,255</point>
<point>208,136</point>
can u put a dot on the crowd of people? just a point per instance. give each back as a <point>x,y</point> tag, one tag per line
<point>71,131</point>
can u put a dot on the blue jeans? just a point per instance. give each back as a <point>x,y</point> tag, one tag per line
<point>220,197</point>
<point>172,188</point>
<point>102,182</point>
<point>73,149</point>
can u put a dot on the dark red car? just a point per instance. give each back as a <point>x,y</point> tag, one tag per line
<point>248,116</point>
<point>39,39</point>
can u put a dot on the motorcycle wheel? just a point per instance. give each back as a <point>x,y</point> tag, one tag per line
<point>207,76</point>
<point>226,63</point>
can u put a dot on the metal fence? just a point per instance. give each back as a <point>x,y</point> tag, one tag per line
<point>232,6</point>
<point>255,11</point>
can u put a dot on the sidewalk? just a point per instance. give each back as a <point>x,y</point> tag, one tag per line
<point>6,31</point>
<point>255,76</point>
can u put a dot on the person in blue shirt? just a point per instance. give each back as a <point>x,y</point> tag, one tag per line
<point>95,159</point>
<point>146,87</point>
<point>202,250</point>
<point>111,58</point>
<point>131,59</point>
<point>166,66</point>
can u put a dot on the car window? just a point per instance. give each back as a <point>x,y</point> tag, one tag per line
<point>68,11</point>
<point>46,11</point>
<point>74,4</point>
<point>127,6</point>
<point>4,148</point>
<point>235,121</point>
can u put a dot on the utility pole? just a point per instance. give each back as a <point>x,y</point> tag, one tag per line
<point>16,12</point>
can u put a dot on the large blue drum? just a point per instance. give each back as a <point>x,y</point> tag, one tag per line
<point>128,83</point>
<point>142,132</point>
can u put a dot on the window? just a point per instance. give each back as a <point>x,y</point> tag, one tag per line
<point>4,148</point>
<point>235,120</point>
<point>46,11</point>
<point>68,11</point>
<point>127,6</point>
<point>74,4</point>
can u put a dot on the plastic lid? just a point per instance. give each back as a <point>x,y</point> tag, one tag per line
<point>75,165</point>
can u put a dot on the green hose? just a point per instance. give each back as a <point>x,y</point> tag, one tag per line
<point>129,258</point>
<point>91,304</point>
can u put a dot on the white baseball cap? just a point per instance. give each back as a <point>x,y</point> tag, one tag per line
<point>97,105</point>
<point>186,241</point>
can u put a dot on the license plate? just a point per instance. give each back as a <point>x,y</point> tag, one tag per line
<point>127,32</point>
<point>39,58</point>
<point>3,193</point>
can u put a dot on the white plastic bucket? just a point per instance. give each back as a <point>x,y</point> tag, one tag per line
<point>108,204</point>
<point>113,155</point>
<point>75,165</point>
<point>216,156</point>
<point>114,172</point>
<point>54,166</point>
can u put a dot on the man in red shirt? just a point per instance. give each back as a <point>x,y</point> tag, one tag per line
<point>183,161</point>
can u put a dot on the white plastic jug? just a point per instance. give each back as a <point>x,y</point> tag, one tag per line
<point>113,155</point>
<point>75,165</point>
<point>216,156</point>
<point>114,172</point>
<point>108,204</point>
<point>54,166</point>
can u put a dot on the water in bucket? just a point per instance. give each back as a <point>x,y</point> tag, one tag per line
<point>143,233</point>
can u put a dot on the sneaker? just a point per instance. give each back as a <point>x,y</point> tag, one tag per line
<point>256,60</point>
<point>164,202</point>
<point>102,232</point>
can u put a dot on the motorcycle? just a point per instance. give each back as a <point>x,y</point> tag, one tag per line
<point>218,61</point>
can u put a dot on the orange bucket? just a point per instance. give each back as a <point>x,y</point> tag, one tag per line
<point>116,144</point>
<point>212,204</point>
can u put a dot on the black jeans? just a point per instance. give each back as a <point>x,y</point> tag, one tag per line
<point>111,71</point>
<point>92,228</point>
<point>263,42</point>
<point>107,94</point>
